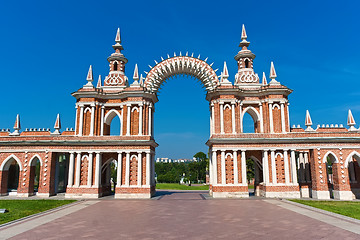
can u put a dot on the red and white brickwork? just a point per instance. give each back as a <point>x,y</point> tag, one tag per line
<point>289,162</point>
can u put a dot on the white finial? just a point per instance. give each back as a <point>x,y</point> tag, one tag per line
<point>243,33</point>
<point>57,125</point>
<point>89,78</point>
<point>224,76</point>
<point>136,73</point>
<point>98,85</point>
<point>273,75</point>
<point>351,121</point>
<point>264,81</point>
<point>118,38</point>
<point>308,122</point>
<point>17,126</point>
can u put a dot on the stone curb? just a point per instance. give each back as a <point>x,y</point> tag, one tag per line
<point>20,220</point>
<point>332,214</point>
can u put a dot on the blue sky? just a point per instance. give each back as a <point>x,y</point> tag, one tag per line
<point>46,48</point>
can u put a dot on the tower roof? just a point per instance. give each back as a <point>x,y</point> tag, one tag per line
<point>244,44</point>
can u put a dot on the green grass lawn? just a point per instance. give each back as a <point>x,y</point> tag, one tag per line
<point>22,208</point>
<point>176,186</point>
<point>350,209</point>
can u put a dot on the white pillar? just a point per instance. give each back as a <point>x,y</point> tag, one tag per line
<point>241,118</point>
<point>127,169</point>
<point>128,119</point>
<point>71,170</point>
<point>119,170</point>
<point>273,167</point>
<point>265,167</point>
<point>98,170</point>
<point>76,119</point>
<point>141,119</point>
<point>233,118</point>
<point>288,115</point>
<point>271,118</point>
<point>81,121</point>
<point>286,166</point>
<point>92,121</point>
<point>212,118</point>
<point>78,168</point>
<point>139,175</point>
<point>261,119</point>
<point>214,162</point>
<point>122,120</point>
<point>90,169</point>
<point>243,167</point>
<point>148,164</point>
<point>153,168</point>
<point>293,168</point>
<point>102,121</point>
<point>150,120</point>
<point>221,117</point>
<point>211,178</point>
<point>223,173</point>
<point>282,118</point>
<point>236,169</point>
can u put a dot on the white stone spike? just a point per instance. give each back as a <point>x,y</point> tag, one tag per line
<point>17,126</point>
<point>216,70</point>
<point>308,122</point>
<point>162,59</point>
<point>243,33</point>
<point>89,78</point>
<point>186,54</point>
<point>146,72</point>
<point>118,37</point>
<point>136,73</point>
<point>198,56</point>
<point>174,54</point>
<point>205,59</point>
<point>155,62</point>
<point>150,66</point>
<point>211,64</point>
<point>272,71</point>
<point>180,54</point>
<point>99,82</point>
<point>192,54</point>
<point>141,80</point>
<point>351,121</point>
<point>264,81</point>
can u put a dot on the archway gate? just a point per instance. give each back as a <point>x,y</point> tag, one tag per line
<point>288,161</point>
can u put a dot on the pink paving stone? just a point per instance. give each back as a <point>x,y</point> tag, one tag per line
<point>184,215</point>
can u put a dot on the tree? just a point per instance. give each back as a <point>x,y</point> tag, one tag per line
<point>200,156</point>
<point>250,169</point>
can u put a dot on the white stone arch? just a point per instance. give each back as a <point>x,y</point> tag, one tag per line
<point>5,164</point>
<point>132,156</point>
<point>177,65</point>
<point>279,154</point>
<point>87,110</point>
<point>254,115</point>
<point>350,158</point>
<point>332,154</point>
<point>135,109</point>
<point>33,158</point>
<point>227,106</point>
<point>110,116</point>
<point>276,106</point>
<point>229,154</point>
<point>106,163</point>
<point>256,161</point>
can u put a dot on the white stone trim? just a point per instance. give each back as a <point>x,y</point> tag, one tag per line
<point>3,166</point>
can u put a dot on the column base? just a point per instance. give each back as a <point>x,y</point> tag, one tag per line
<point>280,191</point>
<point>132,195</point>
<point>235,191</point>
<point>320,194</point>
<point>125,192</point>
<point>305,191</point>
<point>343,195</point>
<point>82,192</point>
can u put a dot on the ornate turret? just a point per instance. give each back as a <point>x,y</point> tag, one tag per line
<point>245,58</point>
<point>117,60</point>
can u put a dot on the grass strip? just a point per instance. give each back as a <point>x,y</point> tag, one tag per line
<point>176,186</point>
<point>346,208</point>
<point>22,208</point>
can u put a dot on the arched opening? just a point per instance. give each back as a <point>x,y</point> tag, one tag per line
<point>329,160</point>
<point>115,66</point>
<point>13,177</point>
<point>353,165</point>
<point>109,176</point>
<point>112,123</point>
<point>62,172</point>
<point>10,172</point>
<point>34,179</point>
<point>87,121</point>
<point>254,175</point>
<point>247,63</point>
<point>250,121</point>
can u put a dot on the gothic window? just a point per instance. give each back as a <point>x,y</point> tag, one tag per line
<point>247,63</point>
<point>115,66</point>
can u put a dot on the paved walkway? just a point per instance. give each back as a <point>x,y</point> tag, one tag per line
<point>183,215</point>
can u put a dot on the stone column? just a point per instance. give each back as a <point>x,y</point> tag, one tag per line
<point>212,118</point>
<point>76,120</point>
<point>128,119</point>
<point>71,170</point>
<point>148,166</point>
<point>233,117</point>
<point>141,119</point>
<point>81,121</point>
<point>139,175</point>
<point>241,118</point>
<point>102,121</point>
<point>119,170</point>
<point>265,167</point>
<point>243,167</point>
<point>282,118</point>
<point>293,168</point>
<point>221,117</point>
<point>122,121</point>
<point>288,116</point>
<point>271,118</point>
<point>78,168</point>
<point>236,169</point>
<point>127,171</point>
<point>98,170</point>
<point>90,169</point>
<point>286,166</point>
<point>261,118</point>
<point>150,120</point>
<point>214,162</point>
<point>273,167</point>
<point>223,170</point>
<point>92,121</point>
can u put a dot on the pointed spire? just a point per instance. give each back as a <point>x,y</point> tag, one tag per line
<point>224,76</point>
<point>136,73</point>
<point>89,78</point>
<point>17,126</point>
<point>273,75</point>
<point>243,33</point>
<point>98,85</point>
<point>264,81</point>
<point>225,71</point>
<point>118,38</point>
<point>57,125</point>
<point>351,121</point>
<point>141,80</point>
<point>308,122</point>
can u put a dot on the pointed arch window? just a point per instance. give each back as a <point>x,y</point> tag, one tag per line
<point>247,63</point>
<point>115,66</point>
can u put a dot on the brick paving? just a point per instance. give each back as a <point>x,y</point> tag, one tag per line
<point>185,215</point>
